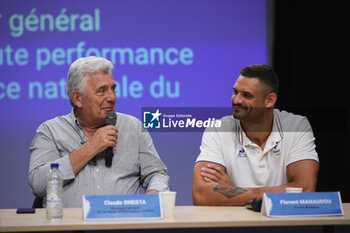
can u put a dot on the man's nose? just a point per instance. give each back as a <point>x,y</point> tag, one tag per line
<point>237,98</point>
<point>111,96</point>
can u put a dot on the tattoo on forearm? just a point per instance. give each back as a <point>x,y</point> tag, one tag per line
<point>228,190</point>
<point>257,191</point>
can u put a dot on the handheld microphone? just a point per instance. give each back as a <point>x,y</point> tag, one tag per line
<point>111,119</point>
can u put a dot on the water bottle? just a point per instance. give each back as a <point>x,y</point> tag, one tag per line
<point>54,186</point>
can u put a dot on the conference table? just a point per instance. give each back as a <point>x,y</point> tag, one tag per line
<point>184,217</point>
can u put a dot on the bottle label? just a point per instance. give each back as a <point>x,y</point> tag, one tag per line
<point>53,187</point>
<point>54,199</point>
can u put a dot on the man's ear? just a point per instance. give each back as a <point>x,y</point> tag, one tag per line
<point>271,99</point>
<point>77,98</point>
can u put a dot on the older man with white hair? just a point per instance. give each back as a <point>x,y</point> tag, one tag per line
<point>78,141</point>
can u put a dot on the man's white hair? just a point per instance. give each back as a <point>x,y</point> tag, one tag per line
<point>81,67</point>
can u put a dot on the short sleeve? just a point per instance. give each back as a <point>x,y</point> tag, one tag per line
<point>211,148</point>
<point>303,147</point>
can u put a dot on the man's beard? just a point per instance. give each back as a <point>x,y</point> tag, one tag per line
<point>239,114</point>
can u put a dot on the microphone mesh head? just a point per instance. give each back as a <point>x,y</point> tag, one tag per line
<point>111,118</point>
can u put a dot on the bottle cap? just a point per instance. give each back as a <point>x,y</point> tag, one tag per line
<point>54,164</point>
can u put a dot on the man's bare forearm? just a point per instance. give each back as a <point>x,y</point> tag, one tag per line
<point>229,191</point>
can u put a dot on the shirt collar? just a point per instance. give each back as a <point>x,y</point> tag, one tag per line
<point>74,120</point>
<point>275,136</point>
<point>80,131</point>
<point>76,125</point>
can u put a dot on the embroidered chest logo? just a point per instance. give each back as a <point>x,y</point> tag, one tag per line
<point>276,151</point>
<point>241,153</point>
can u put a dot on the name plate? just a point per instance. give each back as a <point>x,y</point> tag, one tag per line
<point>302,204</point>
<point>122,207</point>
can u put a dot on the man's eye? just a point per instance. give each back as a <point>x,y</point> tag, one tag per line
<point>100,91</point>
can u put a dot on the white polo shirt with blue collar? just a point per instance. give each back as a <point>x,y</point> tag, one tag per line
<point>247,165</point>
